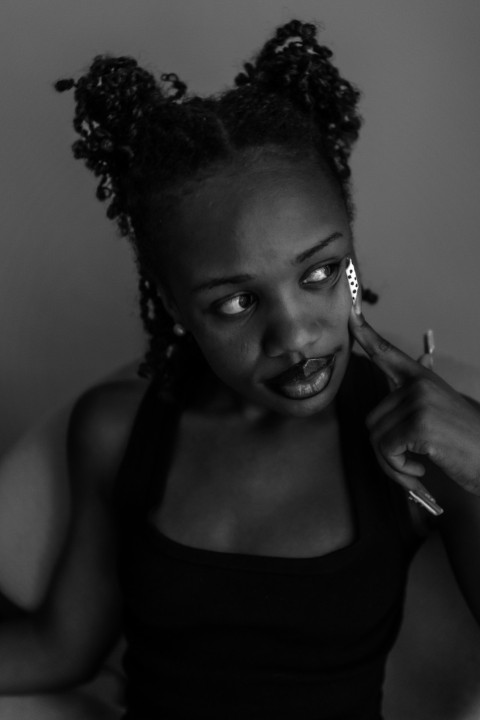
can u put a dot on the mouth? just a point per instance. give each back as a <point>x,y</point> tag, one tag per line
<point>305,379</point>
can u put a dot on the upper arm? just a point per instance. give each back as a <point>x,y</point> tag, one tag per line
<point>36,482</point>
<point>34,510</point>
<point>57,530</point>
<point>83,601</point>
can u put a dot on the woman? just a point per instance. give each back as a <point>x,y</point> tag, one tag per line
<point>254,498</point>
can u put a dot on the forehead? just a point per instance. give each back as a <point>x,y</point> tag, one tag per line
<point>246,215</point>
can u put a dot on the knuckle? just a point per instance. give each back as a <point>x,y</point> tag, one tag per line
<point>379,347</point>
<point>421,435</point>
<point>383,346</point>
<point>426,447</point>
<point>419,425</point>
<point>421,391</point>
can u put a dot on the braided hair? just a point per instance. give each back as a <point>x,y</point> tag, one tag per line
<point>146,138</point>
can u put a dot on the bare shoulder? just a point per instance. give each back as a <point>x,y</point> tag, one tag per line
<point>100,425</point>
<point>53,480</point>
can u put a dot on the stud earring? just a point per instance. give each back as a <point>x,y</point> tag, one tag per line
<point>179,330</point>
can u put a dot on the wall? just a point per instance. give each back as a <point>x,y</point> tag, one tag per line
<point>67,286</point>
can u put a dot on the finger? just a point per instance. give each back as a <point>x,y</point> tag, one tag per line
<point>400,445</point>
<point>402,463</point>
<point>407,481</point>
<point>395,448</point>
<point>415,489</point>
<point>426,361</point>
<point>396,365</point>
<point>395,432</point>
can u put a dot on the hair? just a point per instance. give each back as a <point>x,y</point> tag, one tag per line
<point>148,139</point>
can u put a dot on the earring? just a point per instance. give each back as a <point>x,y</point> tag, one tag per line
<point>179,330</point>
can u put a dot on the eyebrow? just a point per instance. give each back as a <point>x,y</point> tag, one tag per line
<point>239,279</point>
<point>316,248</point>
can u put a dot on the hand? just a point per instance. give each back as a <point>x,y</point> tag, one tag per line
<point>422,416</point>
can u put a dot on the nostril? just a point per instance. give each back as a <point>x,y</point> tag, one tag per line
<point>292,327</point>
<point>293,341</point>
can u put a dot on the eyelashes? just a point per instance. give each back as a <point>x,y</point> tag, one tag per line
<point>235,305</point>
<point>332,272</point>
<point>241,303</point>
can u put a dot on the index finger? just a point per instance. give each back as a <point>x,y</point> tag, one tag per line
<point>397,365</point>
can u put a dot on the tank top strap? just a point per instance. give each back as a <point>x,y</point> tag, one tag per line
<point>147,454</point>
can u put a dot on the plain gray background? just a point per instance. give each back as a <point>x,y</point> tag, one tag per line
<point>68,307</point>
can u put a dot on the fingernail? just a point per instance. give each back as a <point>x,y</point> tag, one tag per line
<point>357,305</point>
<point>422,497</point>
<point>357,315</point>
<point>429,342</point>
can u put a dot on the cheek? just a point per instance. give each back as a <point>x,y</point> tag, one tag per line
<point>229,352</point>
<point>236,357</point>
<point>344,304</point>
<point>227,356</point>
<point>336,307</point>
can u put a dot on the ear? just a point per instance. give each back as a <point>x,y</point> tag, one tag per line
<point>169,302</point>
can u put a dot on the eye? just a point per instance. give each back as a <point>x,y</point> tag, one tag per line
<point>321,274</point>
<point>235,305</point>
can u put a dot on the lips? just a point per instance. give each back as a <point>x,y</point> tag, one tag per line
<point>305,379</point>
<point>301,371</point>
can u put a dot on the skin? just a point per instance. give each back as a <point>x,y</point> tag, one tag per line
<point>258,221</point>
<point>254,224</point>
<point>253,220</point>
<point>422,415</point>
<point>282,231</point>
<point>73,605</point>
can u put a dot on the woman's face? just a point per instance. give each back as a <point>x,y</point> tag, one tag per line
<point>257,275</point>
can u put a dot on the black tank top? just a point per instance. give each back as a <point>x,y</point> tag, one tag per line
<point>229,636</point>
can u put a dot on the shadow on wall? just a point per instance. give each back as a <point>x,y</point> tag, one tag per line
<point>433,671</point>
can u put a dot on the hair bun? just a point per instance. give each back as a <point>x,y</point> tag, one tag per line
<point>294,64</point>
<point>114,95</point>
<point>113,98</point>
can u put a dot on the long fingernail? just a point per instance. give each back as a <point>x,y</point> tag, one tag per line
<point>429,347</point>
<point>357,305</point>
<point>422,497</point>
<point>357,315</point>
<point>428,342</point>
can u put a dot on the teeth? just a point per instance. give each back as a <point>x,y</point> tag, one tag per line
<point>314,365</point>
<point>302,371</point>
<point>313,385</point>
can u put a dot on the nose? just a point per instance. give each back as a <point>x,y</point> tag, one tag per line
<point>291,330</point>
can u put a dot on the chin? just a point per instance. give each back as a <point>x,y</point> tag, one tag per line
<point>306,407</point>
